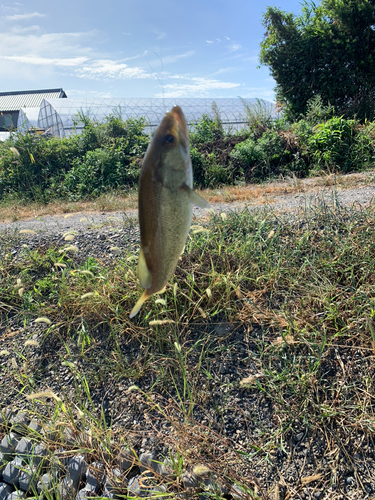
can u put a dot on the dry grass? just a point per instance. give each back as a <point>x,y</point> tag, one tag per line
<point>259,194</point>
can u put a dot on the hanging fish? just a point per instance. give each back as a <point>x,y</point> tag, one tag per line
<point>165,204</point>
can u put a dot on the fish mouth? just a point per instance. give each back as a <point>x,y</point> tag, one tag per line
<point>173,129</point>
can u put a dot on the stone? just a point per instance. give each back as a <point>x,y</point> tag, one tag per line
<point>59,461</point>
<point>5,490</point>
<point>126,459</point>
<point>12,471</point>
<point>24,448</point>
<point>147,463</point>
<point>3,463</point>
<point>115,483</point>
<point>19,422</point>
<point>237,493</point>
<point>5,416</point>
<point>8,445</point>
<point>35,427</point>
<point>95,477</point>
<point>39,453</point>
<point>83,494</point>
<point>46,483</point>
<point>141,487</point>
<point>76,469</point>
<point>28,479</point>
<point>16,495</point>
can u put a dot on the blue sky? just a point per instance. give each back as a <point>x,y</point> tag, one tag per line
<point>136,48</point>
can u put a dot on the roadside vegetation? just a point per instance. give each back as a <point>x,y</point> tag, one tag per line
<point>106,157</point>
<point>263,343</point>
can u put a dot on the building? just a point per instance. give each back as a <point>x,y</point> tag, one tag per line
<point>12,102</point>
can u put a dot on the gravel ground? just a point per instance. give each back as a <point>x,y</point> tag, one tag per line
<point>307,453</point>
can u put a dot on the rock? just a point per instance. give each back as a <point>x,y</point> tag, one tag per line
<point>76,469</point>
<point>5,490</point>
<point>12,471</point>
<point>115,483</point>
<point>28,479</point>
<point>24,449</point>
<point>16,495</point>
<point>95,477</point>
<point>19,422</point>
<point>125,459</point>
<point>141,487</point>
<point>8,445</point>
<point>39,453</point>
<point>35,427</point>
<point>46,483</point>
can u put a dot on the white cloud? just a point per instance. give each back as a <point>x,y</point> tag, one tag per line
<point>126,33</point>
<point>19,29</point>
<point>160,34</point>
<point>45,61</point>
<point>87,93</point>
<point>210,41</point>
<point>234,46</point>
<point>227,38</point>
<point>200,87</point>
<point>108,69</point>
<point>17,17</point>
<point>170,59</point>
<point>217,40</point>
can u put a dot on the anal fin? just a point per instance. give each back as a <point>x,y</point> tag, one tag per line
<point>143,272</point>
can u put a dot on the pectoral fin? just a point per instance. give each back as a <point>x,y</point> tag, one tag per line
<point>195,198</point>
<point>143,272</point>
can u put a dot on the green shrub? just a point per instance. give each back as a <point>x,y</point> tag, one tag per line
<point>103,156</point>
<point>206,130</point>
<point>331,144</point>
<point>363,151</point>
<point>262,158</point>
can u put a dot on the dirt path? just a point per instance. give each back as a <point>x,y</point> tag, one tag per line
<point>307,195</point>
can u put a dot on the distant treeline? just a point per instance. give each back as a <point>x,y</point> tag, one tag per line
<point>108,156</point>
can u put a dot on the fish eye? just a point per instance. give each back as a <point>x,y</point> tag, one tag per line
<point>168,140</point>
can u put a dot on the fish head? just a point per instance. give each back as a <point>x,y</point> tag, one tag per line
<point>169,149</point>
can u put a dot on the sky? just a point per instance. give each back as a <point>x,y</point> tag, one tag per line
<point>137,48</point>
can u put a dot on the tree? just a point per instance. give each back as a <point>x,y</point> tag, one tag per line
<point>328,50</point>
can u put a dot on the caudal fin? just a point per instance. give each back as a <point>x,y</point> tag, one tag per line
<point>139,304</point>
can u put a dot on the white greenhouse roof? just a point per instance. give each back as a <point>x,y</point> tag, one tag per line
<point>61,115</point>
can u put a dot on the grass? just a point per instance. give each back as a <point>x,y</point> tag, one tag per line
<point>12,209</point>
<point>257,362</point>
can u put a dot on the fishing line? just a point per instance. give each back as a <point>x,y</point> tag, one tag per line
<point>161,81</point>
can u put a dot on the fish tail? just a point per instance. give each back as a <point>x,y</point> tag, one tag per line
<point>139,304</point>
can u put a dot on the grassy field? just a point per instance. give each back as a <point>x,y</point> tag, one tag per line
<point>257,364</point>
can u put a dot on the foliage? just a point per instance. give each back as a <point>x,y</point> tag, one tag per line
<point>331,144</point>
<point>108,156</point>
<point>104,155</point>
<point>206,130</point>
<point>327,50</point>
<point>259,116</point>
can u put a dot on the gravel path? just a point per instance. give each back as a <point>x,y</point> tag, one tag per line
<point>58,224</point>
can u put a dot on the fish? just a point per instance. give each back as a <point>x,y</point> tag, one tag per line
<point>165,204</point>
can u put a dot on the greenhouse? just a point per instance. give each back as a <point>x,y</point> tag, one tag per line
<point>27,119</point>
<point>63,117</point>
